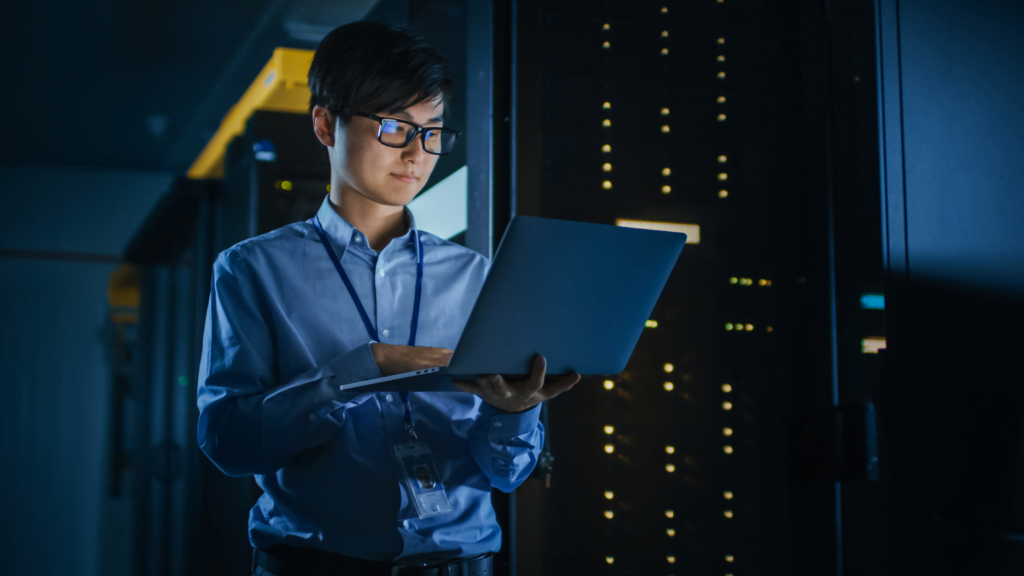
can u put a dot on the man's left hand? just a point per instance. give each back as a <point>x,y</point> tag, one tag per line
<point>518,395</point>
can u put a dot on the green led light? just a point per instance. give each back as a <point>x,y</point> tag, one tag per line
<point>182,380</point>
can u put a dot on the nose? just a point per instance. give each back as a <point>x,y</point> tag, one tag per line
<point>414,152</point>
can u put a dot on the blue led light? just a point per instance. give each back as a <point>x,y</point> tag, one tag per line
<point>872,301</point>
<point>264,150</point>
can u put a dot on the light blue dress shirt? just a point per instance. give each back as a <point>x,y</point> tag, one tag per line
<point>282,333</point>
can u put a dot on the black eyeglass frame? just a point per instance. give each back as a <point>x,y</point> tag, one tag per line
<point>411,135</point>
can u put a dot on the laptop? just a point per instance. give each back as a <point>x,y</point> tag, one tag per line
<point>575,292</point>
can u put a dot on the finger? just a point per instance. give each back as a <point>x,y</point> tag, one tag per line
<point>501,388</point>
<point>536,380</point>
<point>558,385</point>
<point>467,386</point>
<point>486,387</point>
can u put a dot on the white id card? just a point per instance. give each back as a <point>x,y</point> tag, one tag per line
<point>422,480</point>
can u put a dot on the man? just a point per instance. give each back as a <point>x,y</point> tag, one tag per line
<point>361,483</point>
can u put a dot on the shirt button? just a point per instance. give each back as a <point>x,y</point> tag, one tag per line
<point>389,397</point>
<point>497,424</point>
<point>405,523</point>
<point>381,272</point>
<point>386,333</point>
<point>358,239</point>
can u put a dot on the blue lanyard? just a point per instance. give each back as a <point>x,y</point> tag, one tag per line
<point>409,426</point>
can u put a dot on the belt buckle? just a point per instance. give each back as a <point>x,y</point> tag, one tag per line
<point>438,570</point>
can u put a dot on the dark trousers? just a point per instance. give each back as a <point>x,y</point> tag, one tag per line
<point>285,560</point>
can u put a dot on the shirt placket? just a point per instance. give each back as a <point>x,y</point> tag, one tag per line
<point>392,406</point>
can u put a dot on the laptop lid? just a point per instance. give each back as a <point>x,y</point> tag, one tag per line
<point>578,293</point>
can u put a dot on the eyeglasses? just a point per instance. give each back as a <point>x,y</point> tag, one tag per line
<point>397,133</point>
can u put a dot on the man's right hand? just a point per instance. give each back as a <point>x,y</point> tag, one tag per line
<point>395,359</point>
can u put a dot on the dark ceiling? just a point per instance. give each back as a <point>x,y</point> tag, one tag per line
<point>140,85</point>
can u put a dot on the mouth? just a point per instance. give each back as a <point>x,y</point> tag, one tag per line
<point>404,178</point>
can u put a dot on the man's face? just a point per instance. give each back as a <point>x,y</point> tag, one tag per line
<point>385,175</point>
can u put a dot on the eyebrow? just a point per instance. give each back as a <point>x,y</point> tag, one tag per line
<point>409,116</point>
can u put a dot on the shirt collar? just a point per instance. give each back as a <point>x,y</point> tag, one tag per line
<point>341,233</point>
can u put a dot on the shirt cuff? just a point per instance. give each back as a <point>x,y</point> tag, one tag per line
<point>505,425</point>
<point>356,365</point>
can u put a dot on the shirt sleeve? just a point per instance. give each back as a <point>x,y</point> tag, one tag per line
<point>249,423</point>
<point>506,446</point>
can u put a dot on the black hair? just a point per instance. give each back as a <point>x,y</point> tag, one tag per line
<point>376,67</point>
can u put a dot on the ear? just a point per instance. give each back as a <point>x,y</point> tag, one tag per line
<point>323,125</point>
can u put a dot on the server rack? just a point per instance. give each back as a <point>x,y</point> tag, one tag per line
<point>720,448</point>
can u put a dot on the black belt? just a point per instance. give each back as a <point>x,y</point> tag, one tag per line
<point>286,560</point>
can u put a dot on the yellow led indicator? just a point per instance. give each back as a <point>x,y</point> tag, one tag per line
<point>664,10</point>
<point>669,386</point>
<point>670,467</point>
<point>609,559</point>
<point>721,40</point>
<point>726,388</point>
<point>606,123</point>
<point>664,111</point>
<point>723,193</point>
<point>727,449</point>
<point>665,129</point>
<point>606,167</point>
<point>664,51</point>
<point>607,185</point>
<point>608,384</point>
<point>606,44</point>
<point>762,282</point>
<point>768,329</point>
<point>607,27</point>
<point>651,324</point>
<point>721,117</point>
<point>750,327</point>
<point>670,532</point>
<point>664,33</point>
<point>721,100</point>
<point>721,58</point>
<point>607,106</point>
<point>728,513</point>
<point>669,514</point>
<point>727,431</point>
<point>668,367</point>
<point>283,184</point>
<point>666,171</point>
<point>726,405</point>
<point>727,495</point>
<point>606,148</point>
<point>609,494</point>
<point>609,429</point>
<point>666,189</point>
<point>609,448</point>
<point>722,159</point>
<point>723,176</point>
<point>609,514</point>
<point>721,75</point>
<point>729,558</point>
<point>328,187</point>
<point>670,449</point>
<point>728,326</point>
<point>671,559</point>
<point>733,280</point>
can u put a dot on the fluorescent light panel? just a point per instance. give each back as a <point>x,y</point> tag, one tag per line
<point>692,231</point>
<point>442,209</point>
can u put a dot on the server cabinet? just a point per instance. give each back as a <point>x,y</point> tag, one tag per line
<point>719,449</point>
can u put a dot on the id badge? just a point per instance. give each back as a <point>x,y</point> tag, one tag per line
<point>422,480</point>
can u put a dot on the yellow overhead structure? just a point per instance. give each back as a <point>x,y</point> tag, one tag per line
<point>279,87</point>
